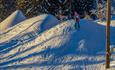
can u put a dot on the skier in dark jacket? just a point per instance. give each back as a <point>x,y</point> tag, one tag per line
<point>77,19</point>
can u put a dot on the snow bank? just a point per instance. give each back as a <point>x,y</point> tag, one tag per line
<point>105,23</point>
<point>35,45</point>
<point>12,20</point>
<point>60,47</point>
<point>33,25</point>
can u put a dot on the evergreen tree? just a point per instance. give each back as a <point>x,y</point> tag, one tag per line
<point>6,7</point>
<point>101,9</point>
<point>1,9</point>
<point>34,7</point>
<point>84,6</point>
<point>29,7</point>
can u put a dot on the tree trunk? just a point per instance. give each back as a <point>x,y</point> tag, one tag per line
<point>108,53</point>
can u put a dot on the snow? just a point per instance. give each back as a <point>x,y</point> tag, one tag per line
<point>104,23</point>
<point>33,25</point>
<point>50,44</point>
<point>12,20</point>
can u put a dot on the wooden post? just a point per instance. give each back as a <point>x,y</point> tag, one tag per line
<point>108,53</point>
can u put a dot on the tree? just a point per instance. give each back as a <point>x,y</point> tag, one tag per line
<point>108,53</point>
<point>84,6</point>
<point>29,7</point>
<point>35,7</point>
<point>101,14</point>
<point>6,7</point>
<point>1,9</point>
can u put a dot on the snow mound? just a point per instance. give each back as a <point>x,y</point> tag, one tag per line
<point>58,48</point>
<point>104,23</point>
<point>12,20</point>
<point>33,25</point>
<point>47,39</point>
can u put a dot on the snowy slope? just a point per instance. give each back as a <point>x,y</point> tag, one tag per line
<point>104,22</point>
<point>33,25</point>
<point>60,29</point>
<point>47,35</point>
<point>60,48</point>
<point>12,20</point>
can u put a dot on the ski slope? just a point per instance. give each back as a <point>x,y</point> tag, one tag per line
<point>56,47</point>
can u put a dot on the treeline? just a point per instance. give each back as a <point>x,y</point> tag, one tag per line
<point>35,7</point>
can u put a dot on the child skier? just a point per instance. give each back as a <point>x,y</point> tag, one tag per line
<point>77,19</point>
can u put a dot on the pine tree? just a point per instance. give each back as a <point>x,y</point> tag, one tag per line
<point>6,7</point>
<point>34,7</point>
<point>108,53</point>
<point>28,6</point>
<point>101,9</point>
<point>1,9</point>
<point>84,6</point>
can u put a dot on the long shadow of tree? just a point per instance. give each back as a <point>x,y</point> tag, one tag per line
<point>57,58</point>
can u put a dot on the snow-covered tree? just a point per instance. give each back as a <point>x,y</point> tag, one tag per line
<point>6,7</point>
<point>30,7</point>
<point>1,9</point>
<point>101,9</point>
<point>34,7</point>
<point>84,6</point>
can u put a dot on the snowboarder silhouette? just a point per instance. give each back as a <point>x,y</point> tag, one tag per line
<point>77,19</point>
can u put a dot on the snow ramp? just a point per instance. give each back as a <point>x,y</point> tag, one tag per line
<point>33,25</point>
<point>60,48</point>
<point>12,20</point>
<point>49,39</point>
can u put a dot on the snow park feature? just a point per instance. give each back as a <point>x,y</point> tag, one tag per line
<point>12,20</point>
<point>103,22</point>
<point>45,43</point>
<point>33,25</point>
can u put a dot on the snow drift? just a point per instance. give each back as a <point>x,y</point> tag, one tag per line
<point>33,25</point>
<point>104,22</point>
<point>35,45</point>
<point>12,20</point>
<point>57,47</point>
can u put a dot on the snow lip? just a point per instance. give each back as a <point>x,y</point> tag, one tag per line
<point>104,22</point>
<point>40,23</point>
<point>13,19</point>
